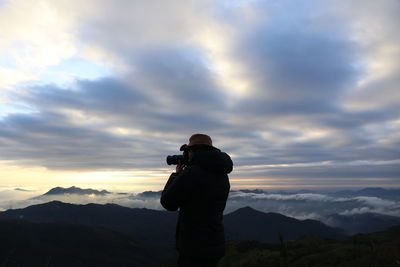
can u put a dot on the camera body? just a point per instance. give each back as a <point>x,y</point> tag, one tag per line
<point>179,159</point>
<point>176,159</point>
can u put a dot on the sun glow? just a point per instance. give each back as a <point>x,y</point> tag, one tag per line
<point>40,178</point>
<point>230,73</point>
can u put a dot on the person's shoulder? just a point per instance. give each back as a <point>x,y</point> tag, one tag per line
<point>189,169</point>
<point>193,170</point>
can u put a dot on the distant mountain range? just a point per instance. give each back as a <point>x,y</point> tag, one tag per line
<point>367,192</point>
<point>370,192</point>
<point>150,194</point>
<point>351,224</point>
<point>75,190</point>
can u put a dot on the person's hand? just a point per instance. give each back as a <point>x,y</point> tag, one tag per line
<point>179,168</point>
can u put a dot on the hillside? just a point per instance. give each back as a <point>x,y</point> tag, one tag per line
<point>58,244</point>
<point>149,226</point>
<point>364,223</point>
<point>84,235</point>
<point>158,227</point>
<point>380,249</point>
<point>249,224</point>
<point>363,250</point>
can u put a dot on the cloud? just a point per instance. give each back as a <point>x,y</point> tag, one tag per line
<point>34,36</point>
<point>374,205</point>
<point>375,202</point>
<point>300,197</point>
<point>111,117</point>
<point>23,190</point>
<point>356,211</point>
<point>298,71</point>
<point>20,199</point>
<point>10,198</point>
<point>312,205</point>
<point>289,92</point>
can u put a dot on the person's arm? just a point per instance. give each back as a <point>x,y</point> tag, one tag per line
<point>175,190</point>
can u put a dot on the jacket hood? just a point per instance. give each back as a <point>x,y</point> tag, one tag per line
<point>213,161</point>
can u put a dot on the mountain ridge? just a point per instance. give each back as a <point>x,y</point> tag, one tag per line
<point>154,225</point>
<point>271,226</point>
<point>74,190</point>
<point>26,243</point>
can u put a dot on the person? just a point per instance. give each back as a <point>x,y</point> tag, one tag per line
<point>199,189</point>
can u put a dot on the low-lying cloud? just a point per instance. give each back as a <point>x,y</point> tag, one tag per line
<point>310,205</point>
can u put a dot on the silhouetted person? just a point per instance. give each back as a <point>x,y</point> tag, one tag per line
<point>200,190</point>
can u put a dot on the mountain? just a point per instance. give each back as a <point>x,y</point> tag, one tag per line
<point>57,244</point>
<point>75,190</point>
<point>153,229</point>
<point>148,226</point>
<point>254,191</point>
<point>281,192</point>
<point>150,194</point>
<point>370,192</point>
<point>153,226</point>
<point>363,223</point>
<point>293,192</point>
<point>21,189</point>
<point>159,226</point>
<point>249,224</point>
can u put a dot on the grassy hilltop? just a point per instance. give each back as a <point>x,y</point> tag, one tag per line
<point>363,250</point>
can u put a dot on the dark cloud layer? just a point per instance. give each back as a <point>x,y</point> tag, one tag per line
<point>297,67</point>
<point>301,71</point>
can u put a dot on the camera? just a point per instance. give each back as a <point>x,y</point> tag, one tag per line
<point>175,159</point>
<point>179,159</point>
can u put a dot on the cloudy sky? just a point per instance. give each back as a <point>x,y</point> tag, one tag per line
<point>301,94</point>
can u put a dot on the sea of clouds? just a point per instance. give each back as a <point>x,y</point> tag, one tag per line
<point>300,205</point>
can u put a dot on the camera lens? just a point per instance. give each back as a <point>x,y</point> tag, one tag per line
<point>174,159</point>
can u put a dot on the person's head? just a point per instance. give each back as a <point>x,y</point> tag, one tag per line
<point>198,142</point>
<point>200,139</point>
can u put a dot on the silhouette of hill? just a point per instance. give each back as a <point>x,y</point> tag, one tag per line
<point>25,243</point>
<point>75,190</point>
<point>372,249</point>
<point>126,227</point>
<point>249,224</point>
<point>158,227</point>
<point>148,226</point>
<point>363,223</point>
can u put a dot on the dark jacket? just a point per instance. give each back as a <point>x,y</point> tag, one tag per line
<point>200,192</point>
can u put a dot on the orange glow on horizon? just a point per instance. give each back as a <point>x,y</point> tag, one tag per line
<point>42,179</point>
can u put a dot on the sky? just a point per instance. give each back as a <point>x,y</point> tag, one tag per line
<point>301,94</point>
